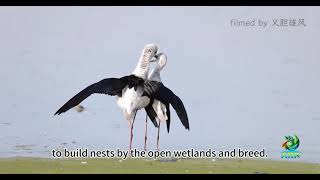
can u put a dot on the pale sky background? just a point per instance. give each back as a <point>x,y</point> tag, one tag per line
<point>243,87</point>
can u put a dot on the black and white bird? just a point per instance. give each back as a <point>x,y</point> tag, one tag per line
<point>133,92</point>
<point>162,105</point>
<point>129,90</point>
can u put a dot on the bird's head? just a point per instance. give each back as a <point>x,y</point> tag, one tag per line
<point>150,50</point>
<point>142,68</point>
<point>161,59</point>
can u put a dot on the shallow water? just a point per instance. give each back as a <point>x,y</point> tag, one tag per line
<point>243,87</point>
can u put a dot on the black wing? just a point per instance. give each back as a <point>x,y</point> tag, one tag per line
<point>168,115</point>
<point>152,114</point>
<point>109,86</point>
<point>158,91</point>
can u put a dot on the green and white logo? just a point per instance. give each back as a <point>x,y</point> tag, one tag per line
<point>291,145</point>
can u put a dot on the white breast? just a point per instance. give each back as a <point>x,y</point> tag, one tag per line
<point>132,101</point>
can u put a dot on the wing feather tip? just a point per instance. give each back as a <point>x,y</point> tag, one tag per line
<point>58,112</point>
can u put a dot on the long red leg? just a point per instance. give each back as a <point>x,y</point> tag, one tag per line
<point>158,136</point>
<point>131,131</point>
<point>145,135</point>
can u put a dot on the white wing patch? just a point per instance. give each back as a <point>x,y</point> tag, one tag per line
<point>161,110</point>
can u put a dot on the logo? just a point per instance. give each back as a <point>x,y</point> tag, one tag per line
<point>291,145</point>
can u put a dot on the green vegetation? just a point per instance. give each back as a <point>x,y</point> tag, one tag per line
<point>44,165</point>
